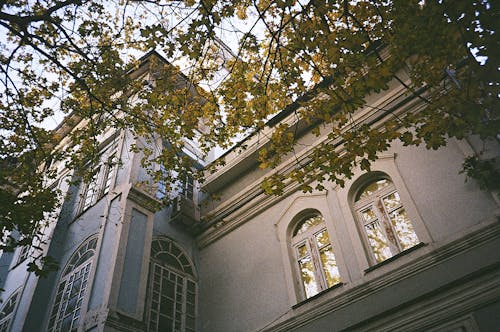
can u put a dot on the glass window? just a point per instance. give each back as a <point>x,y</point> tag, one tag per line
<point>109,171</point>
<point>386,225</point>
<point>315,260</point>
<point>91,191</point>
<point>184,185</point>
<point>172,289</point>
<point>101,182</point>
<point>70,292</point>
<point>188,187</point>
<point>7,312</point>
<point>24,252</point>
<point>162,185</point>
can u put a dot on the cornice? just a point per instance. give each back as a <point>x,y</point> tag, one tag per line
<point>143,199</point>
<point>252,199</point>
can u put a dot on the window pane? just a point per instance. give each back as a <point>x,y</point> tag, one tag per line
<point>191,286</point>
<point>307,275</point>
<point>377,241</point>
<point>323,239</point>
<point>373,187</point>
<point>173,309</point>
<point>392,201</point>
<point>165,324</point>
<point>90,192</point>
<point>66,324</point>
<point>71,290</point>
<point>110,168</point>
<point>302,251</point>
<point>169,260</point>
<point>308,223</point>
<point>188,187</point>
<point>368,215</point>
<point>404,229</point>
<point>330,268</point>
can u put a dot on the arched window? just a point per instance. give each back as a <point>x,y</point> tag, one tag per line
<point>383,218</point>
<point>172,289</point>
<point>313,253</point>
<point>7,312</point>
<point>70,293</point>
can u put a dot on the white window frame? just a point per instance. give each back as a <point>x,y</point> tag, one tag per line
<point>109,173</point>
<point>102,180</point>
<point>308,238</point>
<point>161,190</point>
<point>77,269</point>
<point>11,305</point>
<point>382,216</point>
<point>296,207</point>
<point>90,191</point>
<point>24,253</point>
<point>184,291</point>
<point>188,185</point>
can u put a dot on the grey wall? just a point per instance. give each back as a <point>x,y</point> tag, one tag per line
<point>242,279</point>
<point>243,285</point>
<point>445,200</point>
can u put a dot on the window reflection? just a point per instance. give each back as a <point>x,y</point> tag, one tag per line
<point>307,224</point>
<point>307,275</point>
<point>330,267</point>
<point>172,289</point>
<point>378,242</point>
<point>385,222</point>
<point>373,187</point>
<point>315,258</point>
<point>65,315</point>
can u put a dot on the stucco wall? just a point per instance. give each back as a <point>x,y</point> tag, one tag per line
<point>247,285</point>
<point>242,283</point>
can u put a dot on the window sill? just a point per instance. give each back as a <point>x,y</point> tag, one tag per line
<point>395,257</point>
<point>312,298</point>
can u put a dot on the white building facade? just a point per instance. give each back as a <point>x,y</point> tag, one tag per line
<point>408,246</point>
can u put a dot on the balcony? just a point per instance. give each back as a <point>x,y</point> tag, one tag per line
<point>185,212</point>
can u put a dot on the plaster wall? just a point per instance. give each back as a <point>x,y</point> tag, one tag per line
<point>446,200</point>
<point>105,255</point>
<point>242,283</point>
<point>132,265</point>
<point>422,298</point>
<point>247,278</point>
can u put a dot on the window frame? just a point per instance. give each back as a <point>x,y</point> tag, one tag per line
<point>382,216</point>
<point>308,238</point>
<point>103,179</point>
<point>24,254</point>
<point>188,187</point>
<point>11,303</point>
<point>184,273</point>
<point>184,186</point>
<point>89,194</point>
<point>76,269</point>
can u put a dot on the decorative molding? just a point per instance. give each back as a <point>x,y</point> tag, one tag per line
<point>430,312</point>
<point>124,323</point>
<point>94,318</point>
<point>461,296</point>
<point>143,199</point>
<point>248,203</point>
<point>242,212</point>
<point>241,209</point>
<point>299,197</point>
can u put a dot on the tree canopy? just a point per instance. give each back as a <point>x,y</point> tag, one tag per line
<point>325,57</point>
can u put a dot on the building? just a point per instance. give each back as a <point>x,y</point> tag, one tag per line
<point>409,246</point>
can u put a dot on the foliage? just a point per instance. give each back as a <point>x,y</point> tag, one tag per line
<point>316,59</point>
<point>485,172</point>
